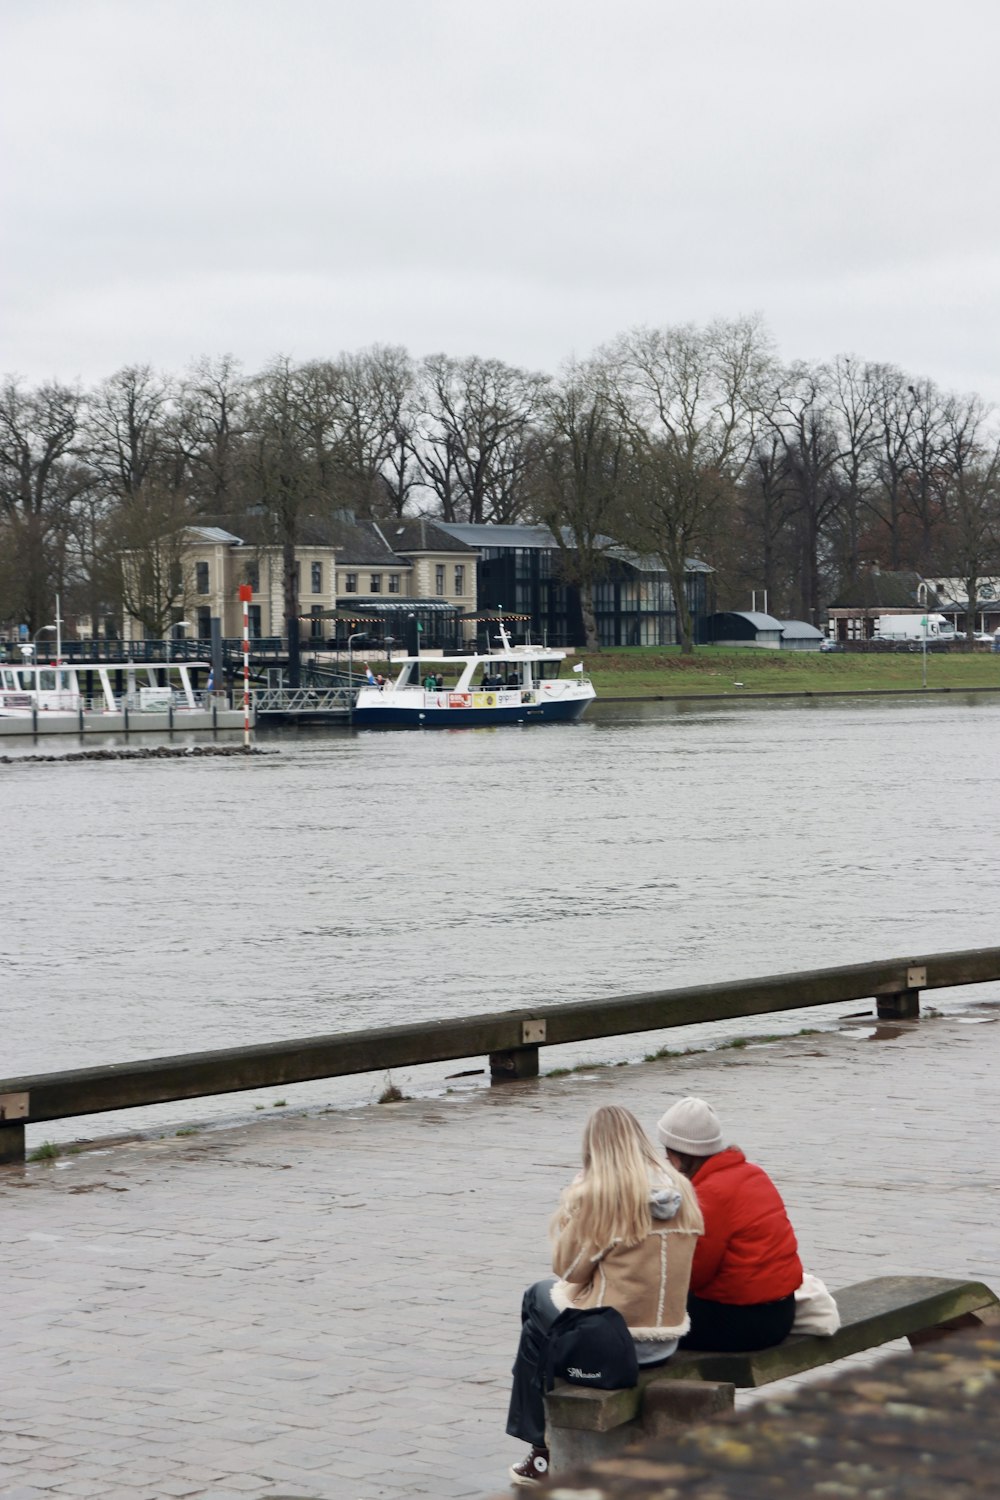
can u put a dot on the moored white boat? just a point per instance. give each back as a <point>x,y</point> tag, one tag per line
<point>508,685</point>
<point>53,688</point>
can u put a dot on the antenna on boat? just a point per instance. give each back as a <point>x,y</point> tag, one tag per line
<point>504,637</point>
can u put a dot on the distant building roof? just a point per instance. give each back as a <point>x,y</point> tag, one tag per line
<point>424,535</point>
<point>486,534</point>
<point>214,534</point>
<point>874,589</point>
<point>800,630</point>
<point>754,617</point>
<point>542,539</point>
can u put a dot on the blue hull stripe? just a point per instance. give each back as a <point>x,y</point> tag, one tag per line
<point>467,718</point>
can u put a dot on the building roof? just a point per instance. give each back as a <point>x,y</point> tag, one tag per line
<point>214,534</point>
<point>542,539</point>
<point>800,630</point>
<point>877,590</point>
<point>423,534</point>
<point>754,617</point>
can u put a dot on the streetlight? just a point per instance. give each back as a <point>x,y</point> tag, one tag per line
<point>30,649</point>
<point>360,635</point>
<point>177,625</point>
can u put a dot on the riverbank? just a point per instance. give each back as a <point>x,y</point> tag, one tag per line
<point>217,1314</point>
<point>664,673</point>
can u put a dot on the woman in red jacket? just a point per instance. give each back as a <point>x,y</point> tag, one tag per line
<point>746,1265</point>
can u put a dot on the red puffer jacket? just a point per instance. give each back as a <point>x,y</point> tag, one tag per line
<point>748,1252</point>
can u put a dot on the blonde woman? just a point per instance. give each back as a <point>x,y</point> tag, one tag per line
<point>623,1236</point>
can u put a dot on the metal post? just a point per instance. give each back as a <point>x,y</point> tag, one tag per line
<point>246,594</point>
<point>215,626</point>
<point>11,1142</point>
<point>514,1063</point>
<point>903,1004</point>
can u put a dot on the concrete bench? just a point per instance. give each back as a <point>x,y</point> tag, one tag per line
<point>584,1424</point>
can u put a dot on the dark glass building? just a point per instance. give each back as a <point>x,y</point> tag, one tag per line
<point>521,572</point>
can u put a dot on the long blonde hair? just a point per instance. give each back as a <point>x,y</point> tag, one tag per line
<point>609,1201</point>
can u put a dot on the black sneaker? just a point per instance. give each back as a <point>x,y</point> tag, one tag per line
<point>533,1469</point>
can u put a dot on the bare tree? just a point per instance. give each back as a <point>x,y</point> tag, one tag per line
<point>854,399</point>
<point>766,506</point>
<point>474,431</point>
<point>926,444</point>
<point>211,426</point>
<point>376,430</point>
<point>802,419</point>
<point>146,532</point>
<point>127,431</point>
<point>577,475</point>
<point>690,399</point>
<point>39,484</point>
<point>969,481</point>
<point>288,457</point>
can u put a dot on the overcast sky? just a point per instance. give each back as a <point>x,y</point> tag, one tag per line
<point>520,179</point>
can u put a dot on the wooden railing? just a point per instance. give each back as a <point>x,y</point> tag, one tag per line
<point>511,1039</point>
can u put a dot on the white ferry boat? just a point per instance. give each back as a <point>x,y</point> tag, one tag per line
<point>53,688</point>
<point>508,685</point>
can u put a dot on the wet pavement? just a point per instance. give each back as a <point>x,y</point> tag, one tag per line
<point>325,1305</point>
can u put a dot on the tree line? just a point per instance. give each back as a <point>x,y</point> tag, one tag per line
<point>675,442</point>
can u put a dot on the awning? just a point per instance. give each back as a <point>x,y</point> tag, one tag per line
<point>491,616</point>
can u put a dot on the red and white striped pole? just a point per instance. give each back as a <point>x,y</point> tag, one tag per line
<point>246,594</point>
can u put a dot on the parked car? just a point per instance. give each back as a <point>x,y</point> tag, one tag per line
<point>832,646</point>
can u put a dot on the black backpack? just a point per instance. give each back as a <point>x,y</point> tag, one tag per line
<point>591,1346</point>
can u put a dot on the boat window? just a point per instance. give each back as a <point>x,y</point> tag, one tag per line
<point>47,682</point>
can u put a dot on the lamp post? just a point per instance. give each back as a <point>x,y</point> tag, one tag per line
<point>29,650</point>
<point>177,625</point>
<point>360,635</point>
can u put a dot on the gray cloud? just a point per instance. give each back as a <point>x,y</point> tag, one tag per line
<point>521,180</point>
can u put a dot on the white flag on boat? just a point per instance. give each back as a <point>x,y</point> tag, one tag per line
<point>578,667</point>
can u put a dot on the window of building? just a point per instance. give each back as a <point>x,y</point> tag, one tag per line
<point>253,621</point>
<point>316,618</point>
<point>375,583</point>
<point>201,577</point>
<point>317,577</point>
<point>439,579</point>
<point>459,578</point>
<point>204,623</point>
<point>350,583</point>
<point>393,583</point>
<point>253,576</point>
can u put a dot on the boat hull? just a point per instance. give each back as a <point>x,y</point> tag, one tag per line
<point>397,716</point>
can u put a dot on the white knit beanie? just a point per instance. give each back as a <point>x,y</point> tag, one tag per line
<point>691,1127</point>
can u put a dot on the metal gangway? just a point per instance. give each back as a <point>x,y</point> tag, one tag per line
<point>323,697</point>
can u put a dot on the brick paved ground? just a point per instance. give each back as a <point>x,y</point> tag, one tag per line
<point>326,1305</point>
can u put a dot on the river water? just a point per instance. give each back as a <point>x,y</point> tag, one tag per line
<point>354,879</point>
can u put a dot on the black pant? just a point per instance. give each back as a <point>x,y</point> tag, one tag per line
<point>731,1328</point>
<point>526,1415</point>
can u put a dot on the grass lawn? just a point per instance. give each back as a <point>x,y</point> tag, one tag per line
<point>644,672</point>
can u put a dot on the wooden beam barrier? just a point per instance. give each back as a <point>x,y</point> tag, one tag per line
<point>511,1039</point>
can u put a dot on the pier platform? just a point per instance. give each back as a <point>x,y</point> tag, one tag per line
<point>325,1304</point>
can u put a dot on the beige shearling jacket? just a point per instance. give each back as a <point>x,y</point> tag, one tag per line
<point>646,1282</point>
